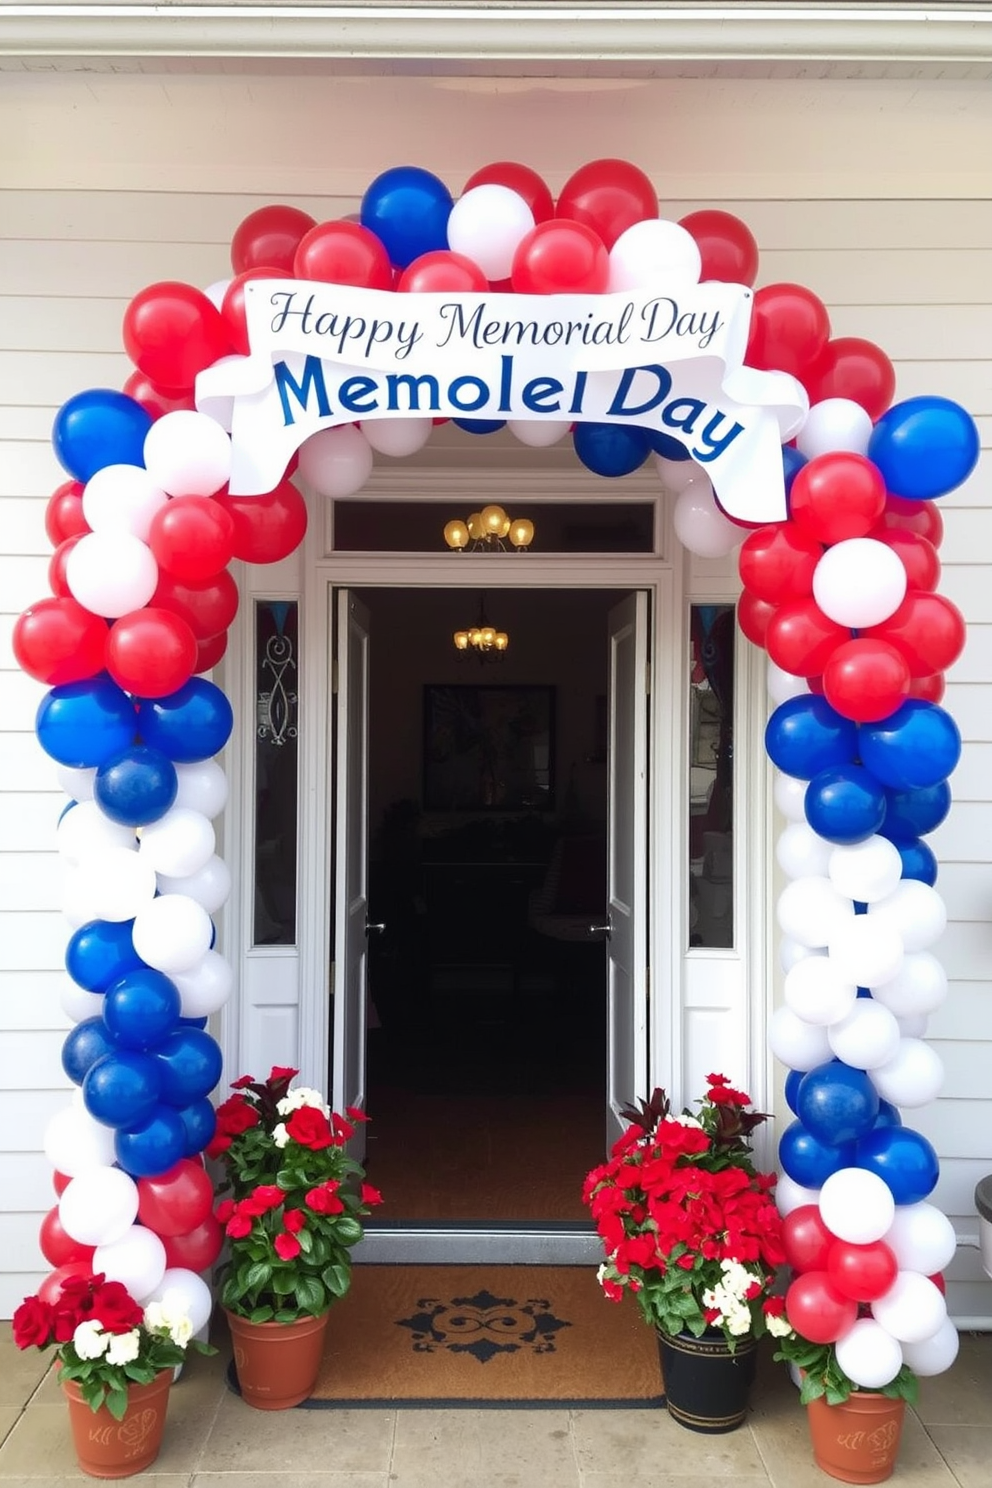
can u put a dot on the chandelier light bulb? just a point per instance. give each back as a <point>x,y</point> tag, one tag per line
<point>493,518</point>
<point>502,640</point>
<point>460,639</point>
<point>456,534</point>
<point>521,533</point>
<point>487,640</point>
<point>476,531</point>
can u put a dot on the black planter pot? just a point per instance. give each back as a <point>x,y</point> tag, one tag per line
<point>707,1386</point>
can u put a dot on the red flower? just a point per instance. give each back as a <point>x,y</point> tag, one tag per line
<point>294,1220</point>
<point>343,1130</point>
<point>281,1072</point>
<point>261,1199</point>
<point>217,1145</point>
<point>612,1290</point>
<point>33,1323</point>
<point>243,1082</point>
<point>355,1113</point>
<point>370,1195</point>
<point>286,1246</point>
<point>724,1096</point>
<point>773,1307</point>
<point>717,1080</point>
<point>310,1128</point>
<point>324,1199</point>
<point>224,1210</point>
<point>115,1308</point>
<point>236,1115</point>
<point>238,1226</point>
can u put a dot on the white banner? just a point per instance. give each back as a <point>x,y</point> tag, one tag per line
<point>323,355</point>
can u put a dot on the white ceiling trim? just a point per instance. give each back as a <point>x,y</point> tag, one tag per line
<point>508,32</point>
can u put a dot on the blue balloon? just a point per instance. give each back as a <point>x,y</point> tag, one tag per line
<point>480,426</point>
<point>100,427</point>
<point>924,447</point>
<point>83,1046</point>
<point>191,724</point>
<point>805,735</point>
<point>193,1022</point>
<point>199,1124</point>
<point>918,861</point>
<point>845,804</point>
<point>137,786</point>
<point>916,746</point>
<point>152,1146</point>
<point>914,813</point>
<point>100,952</point>
<point>903,1159</point>
<point>611,449</point>
<point>836,1103</point>
<point>667,445</point>
<point>190,1063</point>
<point>809,1161</point>
<point>141,1008</point>
<point>122,1088</point>
<point>408,209</point>
<point>792,463</point>
<point>793,1080</point>
<point>82,724</point>
<point>888,1115</point>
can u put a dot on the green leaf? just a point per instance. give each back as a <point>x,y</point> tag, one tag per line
<point>257,1276</point>
<point>336,1278</point>
<point>117,1403</point>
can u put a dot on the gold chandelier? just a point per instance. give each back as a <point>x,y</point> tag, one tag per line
<point>488,530</point>
<point>481,640</point>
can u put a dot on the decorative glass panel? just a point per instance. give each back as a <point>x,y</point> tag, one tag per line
<point>711,775</point>
<point>276,766</point>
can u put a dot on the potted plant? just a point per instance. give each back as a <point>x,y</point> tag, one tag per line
<point>690,1227</point>
<point>292,1216</point>
<point>115,1361</point>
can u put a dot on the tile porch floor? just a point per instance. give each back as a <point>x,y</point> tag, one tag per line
<point>212,1440</point>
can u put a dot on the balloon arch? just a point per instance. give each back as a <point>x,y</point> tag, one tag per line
<point>840,593</point>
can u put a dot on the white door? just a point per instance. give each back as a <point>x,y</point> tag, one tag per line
<point>351,857</point>
<point>626,1072</point>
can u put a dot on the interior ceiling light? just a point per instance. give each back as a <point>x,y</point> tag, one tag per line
<point>481,640</point>
<point>489,531</point>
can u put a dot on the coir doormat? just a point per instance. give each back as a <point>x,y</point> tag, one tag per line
<point>485,1336</point>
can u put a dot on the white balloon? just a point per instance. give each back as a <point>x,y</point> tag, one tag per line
<point>179,843</point>
<point>188,454</point>
<point>78,904</point>
<point>790,953</point>
<point>122,498</point>
<point>653,255</point>
<point>538,433</point>
<point>913,1025</point>
<point>782,685</point>
<point>190,1290</point>
<point>922,1238</point>
<point>859,582</point>
<point>137,1260</point>
<point>77,1003</point>
<point>488,224</point>
<point>865,951</point>
<point>919,986</point>
<point>75,1143</point>
<point>202,787</point>
<point>867,870</point>
<point>336,462</point>
<point>815,992</point>
<point>122,884</point>
<point>933,1355</point>
<point>676,475</point>
<point>215,292</point>
<point>791,1195</point>
<point>915,910</point>
<point>99,1206</point>
<point>172,933</point>
<point>78,784</point>
<point>205,988</point>
<point>797,1044</point>
<point>835,424</point>
<point>802,853</point>
<point>209,885</point>
<point>790,796</point>
<point>701,526</point>
<point>111,573</point>
<point>869,1355</point>
<point>811,911</point>
<point>866,1037</point>
<point>912,1309</point>
<point>397,436</point>
<point>913,1076</point>
<point>857,1206</point>
<point>84,830</point>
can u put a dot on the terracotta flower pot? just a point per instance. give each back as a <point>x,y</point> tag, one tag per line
<point>108,1448</point>
<point>857,1442</point>
<point>277,1363</point>
<point>707,1386</point>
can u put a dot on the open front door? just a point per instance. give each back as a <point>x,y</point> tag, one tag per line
<point>351,857</point>
<point>627,862</point>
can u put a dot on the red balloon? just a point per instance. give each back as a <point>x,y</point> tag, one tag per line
<point>207,608</point>
<point>866,679</point>
<point>209,653</point>
<point>156,400</point>
<point>862,1272</point>
<point>57,581</point>
<point>917,554</point>
<point>850,367</point>
<point>521,179</point>
<point>928,689</point>
<point>442,272</point>
<point>938,1280</point>
<point>233,307</point>
<point>777,562</point>
<point>928,629</point>
<point>192,538</point>
<point>837,496</point>
<point>801,639</point>
<point>198,1248</point>
<point>607,196</point>
<point>171,332</point>
<point>343,253</point>
<point>817,1310</point>
<point>51,1288</point>
<point>57,641</point>
<point>177,1201</point>
<point>560,258</point>
<point>754,616</point>
<point>915,516</point>
<point>60,1182</point>
<point>815,684</point>
<point>806,1239</point>
<point>266,528</point>
<point>789,329</point>
<point>727,245</point>
<point>269,238</point>
<point>58,1248</point>
<point>64,513</point>
<point>151,652</point>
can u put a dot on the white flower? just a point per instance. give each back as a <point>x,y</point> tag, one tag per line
<point>686,1120</point>
<point>89,1339</point>
<point>170,1315</point>
<point>302,1096</point>
<point>778,1327</point>
<point>280,1136</point>
<point>124,1347</point>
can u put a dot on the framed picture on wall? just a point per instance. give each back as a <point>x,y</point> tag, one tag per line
<point>489,748</point>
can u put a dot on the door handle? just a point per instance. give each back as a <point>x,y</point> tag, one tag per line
<point>606,929</point>
<point>371,929</point>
